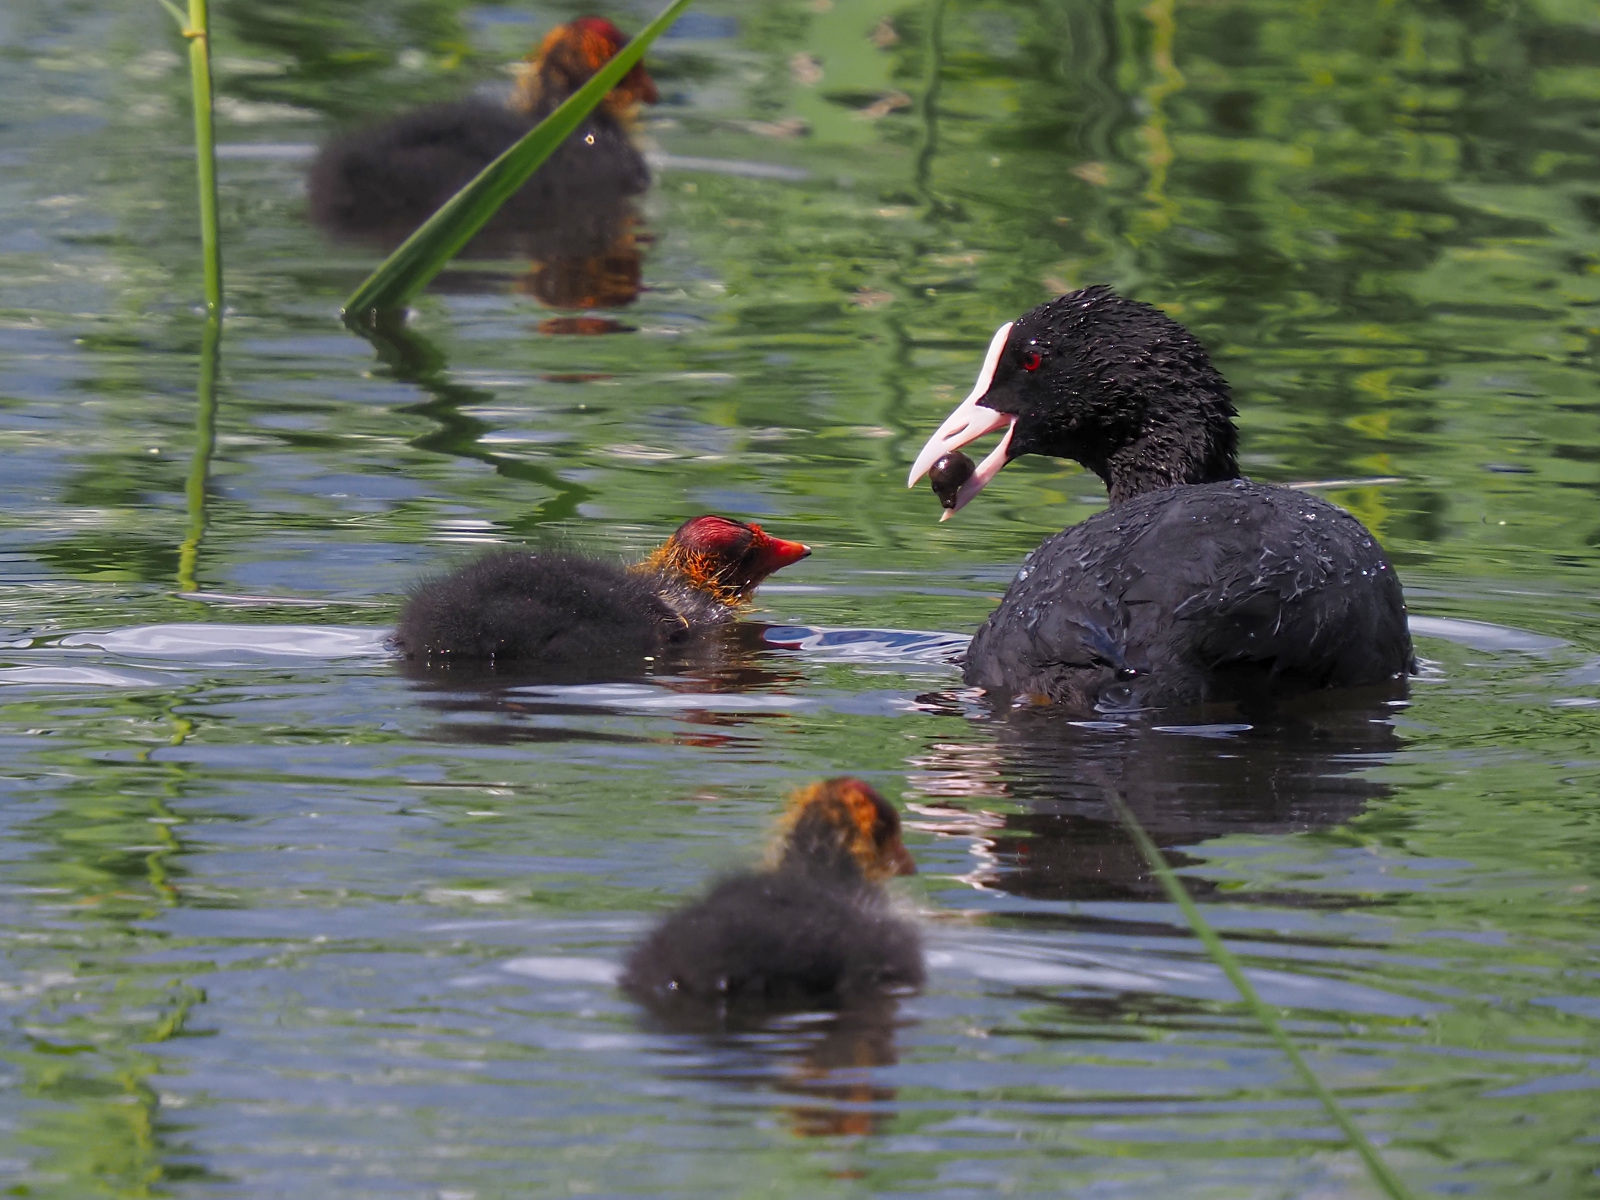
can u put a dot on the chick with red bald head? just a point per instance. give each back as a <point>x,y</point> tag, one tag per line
<point>522,610</point>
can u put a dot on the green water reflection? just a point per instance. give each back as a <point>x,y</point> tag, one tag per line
<point>240,902</point>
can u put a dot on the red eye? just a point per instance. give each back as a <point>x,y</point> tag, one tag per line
<point>1031,360</point>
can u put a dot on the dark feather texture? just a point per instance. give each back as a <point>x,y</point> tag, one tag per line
<point>776,940</point>
<point>513,606</point>
<point>1211,592</point>
<point>1119,386</point>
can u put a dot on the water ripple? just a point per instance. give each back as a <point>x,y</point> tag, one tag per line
<point>234,644</point>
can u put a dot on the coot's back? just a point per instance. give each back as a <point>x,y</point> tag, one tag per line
<point>1223,591</point>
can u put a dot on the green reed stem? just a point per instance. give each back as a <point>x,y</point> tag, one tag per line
<point>423,255</point>
<point>205,440</point>
<point>1385,1178</point>
<point>205,150</point>
<point>196,27</point>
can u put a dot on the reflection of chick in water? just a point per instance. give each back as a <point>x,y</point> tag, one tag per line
<point>495,706</point>
<point>1304,772</point>
<point>833,1103</point>
<point>821,1065</point>
<point>574,218</point>
<point>814,930</point>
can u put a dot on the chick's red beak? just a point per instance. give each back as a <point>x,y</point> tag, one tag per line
<point>773,554</point>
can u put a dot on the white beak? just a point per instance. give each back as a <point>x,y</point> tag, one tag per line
<point>969,422</point>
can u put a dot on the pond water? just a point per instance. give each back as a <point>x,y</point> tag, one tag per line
<point>280,921</point>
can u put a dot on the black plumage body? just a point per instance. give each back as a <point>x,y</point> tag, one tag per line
<point>381,182</point>
<point>514,606</point>
<point>1221,591</point>
<point>782,939</point>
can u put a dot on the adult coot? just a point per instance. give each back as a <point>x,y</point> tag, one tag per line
<point>1195,584</point>
<point>813,930</point>
<point>382,181</point>
<point>519,609</point>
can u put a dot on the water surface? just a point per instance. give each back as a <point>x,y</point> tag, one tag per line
<point>280,921</point>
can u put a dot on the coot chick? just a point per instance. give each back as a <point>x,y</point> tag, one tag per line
<point>516,608</point>
<point>382,181</point>
<point>812,930</point>
<point>1195,585</point>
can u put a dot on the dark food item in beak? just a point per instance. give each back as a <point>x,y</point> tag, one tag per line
<point>948,474</point>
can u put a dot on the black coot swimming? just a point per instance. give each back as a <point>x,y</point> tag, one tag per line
<point>381,182</point>
<point>518,609</point>
<point>814,930</point>
<point>1195,585</point>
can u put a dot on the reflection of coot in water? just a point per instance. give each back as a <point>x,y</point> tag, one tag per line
<point>575,217</point>
<point>1302,773</point>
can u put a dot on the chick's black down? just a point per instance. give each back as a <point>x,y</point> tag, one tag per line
<point>549,607</point>
<point>775,940</point>
<point>386,179</point>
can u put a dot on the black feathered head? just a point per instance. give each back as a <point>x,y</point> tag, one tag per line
<point>1113,383</point>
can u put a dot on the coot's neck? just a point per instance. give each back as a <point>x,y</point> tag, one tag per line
<point>1191,440</point>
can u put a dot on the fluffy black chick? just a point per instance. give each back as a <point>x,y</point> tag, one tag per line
<point>380,182</point>
<point>812,930</point>
<point>520,609</point>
